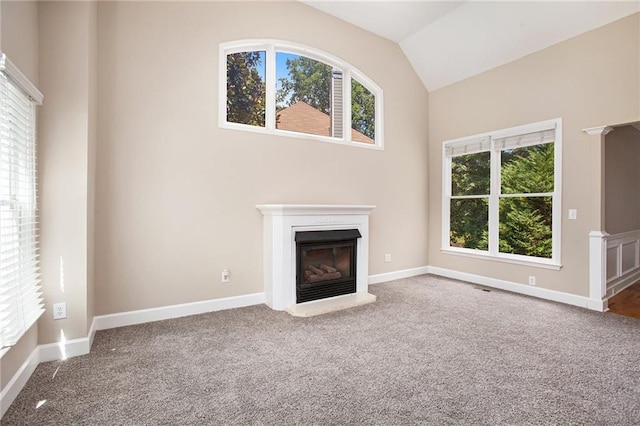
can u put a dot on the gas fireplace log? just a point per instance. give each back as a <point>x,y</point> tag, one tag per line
<point>325,277</point>
<point>315,270</point>
<point>328,268</point>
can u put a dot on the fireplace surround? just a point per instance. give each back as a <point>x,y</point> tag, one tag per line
<point>281,223</point>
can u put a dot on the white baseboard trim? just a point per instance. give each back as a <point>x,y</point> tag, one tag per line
<point>64,349</point>
<point>123,319</point>
<point>68,348</point>
<point>622,283</point>
<point>17,382</point>
<point>396,275</point>
<point>542,293</point>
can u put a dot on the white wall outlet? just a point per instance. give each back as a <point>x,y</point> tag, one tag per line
<point>225,276</point>
<point>532,280</point>
<point>59,311</point>
<point>387,257</point>
<point>573,214</point>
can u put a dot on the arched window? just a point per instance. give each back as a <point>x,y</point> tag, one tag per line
<point>289,89</point>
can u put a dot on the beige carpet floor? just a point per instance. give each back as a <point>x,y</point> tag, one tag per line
<point>429,351</point>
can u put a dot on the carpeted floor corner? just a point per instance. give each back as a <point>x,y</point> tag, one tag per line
<point>429,351</point>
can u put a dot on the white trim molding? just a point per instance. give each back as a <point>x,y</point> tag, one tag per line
<point>598,130</point>
<point>18,381</point>
<point>44,353</point>
<point>541,293</point>
<point>142,316</point>
<point>65,349</point>
<point>622,261</point>
<point>598,267</point>
<point>396,275</point>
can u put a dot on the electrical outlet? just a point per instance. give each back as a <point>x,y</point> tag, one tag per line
<point>59,311</point>
<point>532,280</point>
<point>387,257</point>
<point>225,276</point>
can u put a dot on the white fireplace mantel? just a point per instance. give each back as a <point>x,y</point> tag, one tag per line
<point>282,221</point>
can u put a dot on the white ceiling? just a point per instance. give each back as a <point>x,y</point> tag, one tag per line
<point>448,41</point>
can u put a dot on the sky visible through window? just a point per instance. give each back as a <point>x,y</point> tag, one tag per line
<point>281,65</point>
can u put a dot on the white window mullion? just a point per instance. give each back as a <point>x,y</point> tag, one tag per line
<point>494,201</point>
<point>446,199</point>
<point>270,83</point>
<point>556,225</point>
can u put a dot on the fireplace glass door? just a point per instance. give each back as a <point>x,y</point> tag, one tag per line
<point>326,264</point>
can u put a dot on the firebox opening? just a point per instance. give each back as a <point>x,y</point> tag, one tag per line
<point>326,263</point>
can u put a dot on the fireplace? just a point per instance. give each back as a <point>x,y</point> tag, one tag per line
<point>283,224</point>
<point>326,263</point>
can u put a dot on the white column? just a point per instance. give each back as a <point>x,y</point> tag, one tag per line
<point>598,269</point>
<point>598,239</point>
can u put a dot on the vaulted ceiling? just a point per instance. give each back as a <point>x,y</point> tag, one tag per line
<point>448,41</point>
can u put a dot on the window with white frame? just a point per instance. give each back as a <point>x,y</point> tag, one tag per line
<point>293,90</point>
<point>501,194</point>
<point>20,297</point>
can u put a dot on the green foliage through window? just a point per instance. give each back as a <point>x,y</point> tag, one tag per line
<point>470,223</point>
<point>363,110</point>
<point>307,80</point>
<point>246,90</point>
<point>525,226</point>
<point>471,174</point>
<point>526,222</point>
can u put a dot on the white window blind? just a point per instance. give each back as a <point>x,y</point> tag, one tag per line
<point>20,297</point>
<point>468,146</point>
<point>529,139</point>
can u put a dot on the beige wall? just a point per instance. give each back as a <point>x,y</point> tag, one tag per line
<point>176,195</point>
<point>588,81</point>
<point>19,41</point>
<point>622,180</point>
<point>67,34</point>
<point>19,35</point>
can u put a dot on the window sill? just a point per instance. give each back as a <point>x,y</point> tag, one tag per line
<point>298,135</point>
<point>476,254</point>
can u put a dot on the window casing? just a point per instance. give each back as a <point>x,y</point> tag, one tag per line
<point>20,297</point>
<point>355,116</point>
<point>502,194</point>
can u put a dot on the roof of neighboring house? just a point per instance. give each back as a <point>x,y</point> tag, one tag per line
<point>302,117</point>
